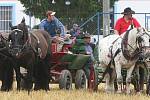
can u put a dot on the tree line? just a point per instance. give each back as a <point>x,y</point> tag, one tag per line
<point>76,8</point>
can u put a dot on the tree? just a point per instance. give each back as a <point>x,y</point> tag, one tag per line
<point>77,8</point>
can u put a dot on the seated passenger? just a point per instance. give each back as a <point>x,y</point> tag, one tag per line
<point>89,48</point>
<point>75,31</point>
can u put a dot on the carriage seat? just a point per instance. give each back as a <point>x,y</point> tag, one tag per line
<point>59,48</point>
<point>63,46</point>
<point>70,40</point>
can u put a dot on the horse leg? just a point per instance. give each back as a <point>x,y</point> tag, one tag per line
<point>135,80</point>
<point>128,78</point>
<point>46,83</point>
<point>37,73</point>
<point>29,76</point>
<point>45,75</point>
<point>4,81</point>
<point>18,77</point>
<point>112,81</point>
<point>107,79</point>
<point>115,85</point>
<point>119,77</point>
<point>110,78</point>
<point>7,77</point>
<point>141,72</point>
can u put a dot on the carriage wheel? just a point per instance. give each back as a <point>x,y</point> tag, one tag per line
<point>65,80</point>
<point>93,80</point>
<point>80,79</point>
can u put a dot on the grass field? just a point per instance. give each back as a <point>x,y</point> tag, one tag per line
<point>56,94</point>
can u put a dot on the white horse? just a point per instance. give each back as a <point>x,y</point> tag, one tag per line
<point>118,52</point>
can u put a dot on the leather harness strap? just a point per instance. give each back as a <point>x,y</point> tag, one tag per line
<point>125,50</point>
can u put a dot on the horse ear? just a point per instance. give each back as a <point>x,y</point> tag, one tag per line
<point>11,26</point>
<point>23,20</point>
<point>143,29</point>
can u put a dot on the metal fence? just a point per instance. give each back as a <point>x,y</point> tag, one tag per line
<point>93,24</point>
<point>89,25</point>
<point>70,21</point>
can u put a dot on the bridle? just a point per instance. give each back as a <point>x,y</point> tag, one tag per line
<point>19,48</point>
<point>144,56</point>
<point>137,51</point>
<point>27,44</point>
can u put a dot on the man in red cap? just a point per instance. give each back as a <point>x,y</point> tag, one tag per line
<point>126,22</point>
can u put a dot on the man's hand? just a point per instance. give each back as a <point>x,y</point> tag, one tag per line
<point>116,32</point>
<point>88,53</point>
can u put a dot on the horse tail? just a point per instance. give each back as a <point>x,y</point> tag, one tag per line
<point>109,70</point>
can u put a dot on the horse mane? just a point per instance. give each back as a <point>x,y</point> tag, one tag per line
<point>44,41</point>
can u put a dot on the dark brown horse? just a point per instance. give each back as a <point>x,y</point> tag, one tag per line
<point>6,73</point>
<point>31,51</point>
<point>6,64</point>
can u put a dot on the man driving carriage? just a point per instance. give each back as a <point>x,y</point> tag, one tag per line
<point>55,28</point>
<point>126,22</point>
<point>51,24</point>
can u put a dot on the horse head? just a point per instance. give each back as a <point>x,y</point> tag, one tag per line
<point>144,42</point>
<point>133,43</point>
<point>18,37</point>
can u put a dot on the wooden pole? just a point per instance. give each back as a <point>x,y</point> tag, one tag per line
<point>106,17</point>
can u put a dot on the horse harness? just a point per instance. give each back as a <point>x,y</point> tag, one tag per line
<point>124,48</point>
<point>111,47</point>
<point>38,51</point>
<point>28,45</point>
<point>43,46</point>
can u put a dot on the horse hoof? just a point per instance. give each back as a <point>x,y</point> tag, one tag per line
<point>119,92</point>
<point>109,92</point>
<point>4,89</point>
<point>142,91</point>
<point>128,92</point>
<point>138,93</point>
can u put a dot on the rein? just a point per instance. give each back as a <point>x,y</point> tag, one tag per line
<point>4,41</point>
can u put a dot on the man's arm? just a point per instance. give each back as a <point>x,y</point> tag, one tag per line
<point>41,26</point>
<point>60,26</point>
<point>116,32</point>
<point>117,27</point>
